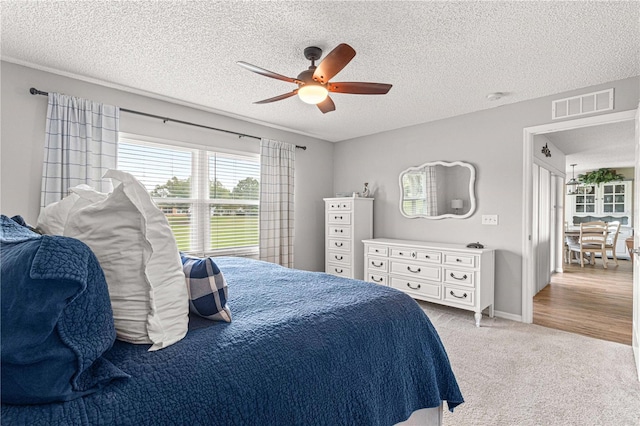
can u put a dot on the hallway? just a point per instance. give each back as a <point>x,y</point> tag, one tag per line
<point>591,301</point>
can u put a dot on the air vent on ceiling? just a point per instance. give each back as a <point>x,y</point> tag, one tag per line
<point>583,104</point>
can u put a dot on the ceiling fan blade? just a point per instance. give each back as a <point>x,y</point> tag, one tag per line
<point>327,105</point>
<point>333,63</point>
<point>359,88</point>
<point>267,73</point>
<point>277,98</point>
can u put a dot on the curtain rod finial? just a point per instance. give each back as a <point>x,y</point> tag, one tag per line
<point>35,91</point>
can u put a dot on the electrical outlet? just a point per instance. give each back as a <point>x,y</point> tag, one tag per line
<point>489,219</point>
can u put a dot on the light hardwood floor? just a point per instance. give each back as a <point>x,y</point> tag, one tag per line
<point>592,301</point>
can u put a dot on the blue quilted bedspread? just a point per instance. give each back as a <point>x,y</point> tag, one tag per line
<point>303,348</point>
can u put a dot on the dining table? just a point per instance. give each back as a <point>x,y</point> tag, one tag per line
<point>573,236</point>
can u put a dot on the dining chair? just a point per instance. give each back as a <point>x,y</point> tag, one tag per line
<point>613,229</point>
<point>593,237</point>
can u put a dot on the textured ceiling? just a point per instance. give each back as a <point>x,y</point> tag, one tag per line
<point>606,145</point>
<point>442,58</point>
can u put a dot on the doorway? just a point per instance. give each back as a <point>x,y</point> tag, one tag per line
<point>530,258</point>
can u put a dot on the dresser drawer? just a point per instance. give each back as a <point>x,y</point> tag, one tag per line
<point>416,270</point>
<point>459,277</point>
<point>458,296</point>
<point>341,218</point>
<point>429,256</point>
<point>339,258</point>
<point>379,250</point>
<point>339,231</point>
<point>403,253</point>
<point>340,205</point>
<point>425,289</point>
<point>460,259</point>
<point>335,244</point>
<point>338,270</point>
<point>376,278</point>
<point>377,264</point>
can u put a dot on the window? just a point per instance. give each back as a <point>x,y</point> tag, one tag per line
<point>210,198</point>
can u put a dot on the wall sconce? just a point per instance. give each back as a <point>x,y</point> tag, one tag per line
<point>546,151</point>
<point>456,204</point>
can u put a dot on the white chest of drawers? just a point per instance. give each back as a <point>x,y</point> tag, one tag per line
<point>448,274</point>
<point>347,222</point>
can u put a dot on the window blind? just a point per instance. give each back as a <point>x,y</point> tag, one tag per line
<point>210,198</point>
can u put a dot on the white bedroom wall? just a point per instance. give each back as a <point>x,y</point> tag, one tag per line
<point>491,140</point>
<point>21,149</point>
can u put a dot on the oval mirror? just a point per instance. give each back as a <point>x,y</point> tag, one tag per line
<point>438,190</point>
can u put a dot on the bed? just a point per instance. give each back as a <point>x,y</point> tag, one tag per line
<point>303,348</point>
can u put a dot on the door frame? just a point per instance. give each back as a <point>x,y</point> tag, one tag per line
<point>528,261</point>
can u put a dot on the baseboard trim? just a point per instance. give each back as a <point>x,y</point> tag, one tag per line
<point>507,315</point>
<point>635,344</point>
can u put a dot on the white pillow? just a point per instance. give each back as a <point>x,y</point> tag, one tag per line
<point>134,244</point>
<point>53,218</point>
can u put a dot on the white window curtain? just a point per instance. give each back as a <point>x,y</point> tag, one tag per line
<point>81,143</point>
<point>277,165</point>
<point>431,200</point>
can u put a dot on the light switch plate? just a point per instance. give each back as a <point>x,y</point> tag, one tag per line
<point>489,219</point>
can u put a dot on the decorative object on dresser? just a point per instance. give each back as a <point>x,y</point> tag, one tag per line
<point>447,274</point>
<point>438,190</point>
<point>349,220</point>
<point>366,192</point>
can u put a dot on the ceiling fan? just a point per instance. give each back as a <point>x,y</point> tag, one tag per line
<point>314,85</point>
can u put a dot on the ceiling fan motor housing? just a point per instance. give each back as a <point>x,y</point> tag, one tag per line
<point>306,76</point>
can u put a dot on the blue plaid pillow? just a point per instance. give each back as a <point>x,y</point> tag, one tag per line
<point>207,288</point>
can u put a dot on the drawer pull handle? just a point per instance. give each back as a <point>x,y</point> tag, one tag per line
<point>377,266</point>
<point>338,244</point>
<point>464,296</point>
<point>374,279</point>
<point>401,253</point>
<point>338,257</point>
<point>458,260</point>
<point>426,256</point>
<point>414,288</point>
<point>413,254</point>
<point>338,271</point>
<point>337,217</point>
<point>411,270</point>
<point>338,230</point>
<point>464,277</point>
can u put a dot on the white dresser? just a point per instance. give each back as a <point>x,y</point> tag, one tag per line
<point>448,274</point>
<point>348,221</point>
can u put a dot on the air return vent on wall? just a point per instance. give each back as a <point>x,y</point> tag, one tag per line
<point>583,104</point>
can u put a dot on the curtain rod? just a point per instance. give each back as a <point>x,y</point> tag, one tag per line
<point>35,91</point>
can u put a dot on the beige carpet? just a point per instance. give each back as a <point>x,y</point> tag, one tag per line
<point>523,374</point>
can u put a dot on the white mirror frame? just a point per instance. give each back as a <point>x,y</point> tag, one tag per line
<point>472,195</point>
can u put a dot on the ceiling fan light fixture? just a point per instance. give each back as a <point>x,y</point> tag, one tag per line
<point>313,93</point>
